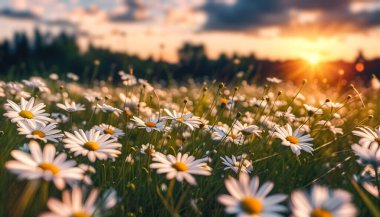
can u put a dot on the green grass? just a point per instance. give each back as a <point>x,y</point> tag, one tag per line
<point>332,163</point>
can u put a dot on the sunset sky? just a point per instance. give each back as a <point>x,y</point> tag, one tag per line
<point>274,29</point>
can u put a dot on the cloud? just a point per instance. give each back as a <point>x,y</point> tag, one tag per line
<point>292,17</point>
<point>18,14</point>
<point>243,14</point>
<point>136,10</point>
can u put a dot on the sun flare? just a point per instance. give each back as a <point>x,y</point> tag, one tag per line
<point>313,59</point>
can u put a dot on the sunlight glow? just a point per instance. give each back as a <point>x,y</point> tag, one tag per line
<point>313,59</point>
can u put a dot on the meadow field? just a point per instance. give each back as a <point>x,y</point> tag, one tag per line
<point>268,149</point>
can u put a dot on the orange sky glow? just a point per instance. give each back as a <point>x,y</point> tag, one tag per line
<point>156,29</point>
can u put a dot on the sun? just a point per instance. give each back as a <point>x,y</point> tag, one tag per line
<point>313,59</point>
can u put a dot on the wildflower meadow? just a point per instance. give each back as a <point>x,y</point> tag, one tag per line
<point>268,149</point>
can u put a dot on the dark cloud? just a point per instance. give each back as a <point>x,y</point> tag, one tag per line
<point>246,15</point>
<point>243,14</point>
<point>60,23</point>
<point>17,14</point>
<point>137,11</point>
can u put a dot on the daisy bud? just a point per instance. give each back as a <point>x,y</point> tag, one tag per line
<point>131,186</point>
<point>168,137</point>
<point>279,93</point>
<point>370,116</point>
<point>327,100</point>
<point>61,87</point>
<point>164,187</point>
<point>238,115</point>
<point>185,101</point>
<point>221,85</point>
<point>304,81</point>
<point>236,88</point>
<point>349,97</point>
<point>130,70</point>
<point>204,89</point>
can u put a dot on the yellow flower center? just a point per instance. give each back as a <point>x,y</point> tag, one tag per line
<point>128,113</point>
<point>80,214</point>
<point>181,119</point>
<point>38,133</point>
<point>26,114</point>
<point>150,124</point>
<point>251,205</point>
<point>293,139</point>
<point>49,167</point>
<point>93,146</point>
<point>149,151</point>
<point>108,131</point>
<point>321,213</point>
<point>179,166</point>
<point>377,139</point>
<point>223,101</point>
<point>233,136</point>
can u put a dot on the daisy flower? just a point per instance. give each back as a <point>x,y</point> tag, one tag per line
<point>109,109</point>
<point>26,111</point>
<point>53,76</point>
<point>71,107</point>
<point>237,164</point>
<point>288,115</point>
<point>180,167</point>
<point>296,140</point>
<point>109,129</point>
<point>72,76</point>
<point>274,80</point>
<point>59,118</point>
<point>150,124</point>
<point>147,149</point>
<point>187,119</point>
<point>38,131</point>
<point>77,204</point>
<point>247,129</point>
<point>45,165</point>
<point>368,178</point>
<point>92,96</point>
<point>368,155</point>
<point>311,110</point>
<point>257,102</point>
<point>129,102</point>
<point>92,144</point>
<point>227,103</point>
<point>322,202</point>
<point>335,130</point>
<point>248,199</point>
<point>128,79</point>
<point>367,135</point>
<point>228,135</point>
<point>148,87</point>
<point>333,104</point>
<point>37,83</point>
